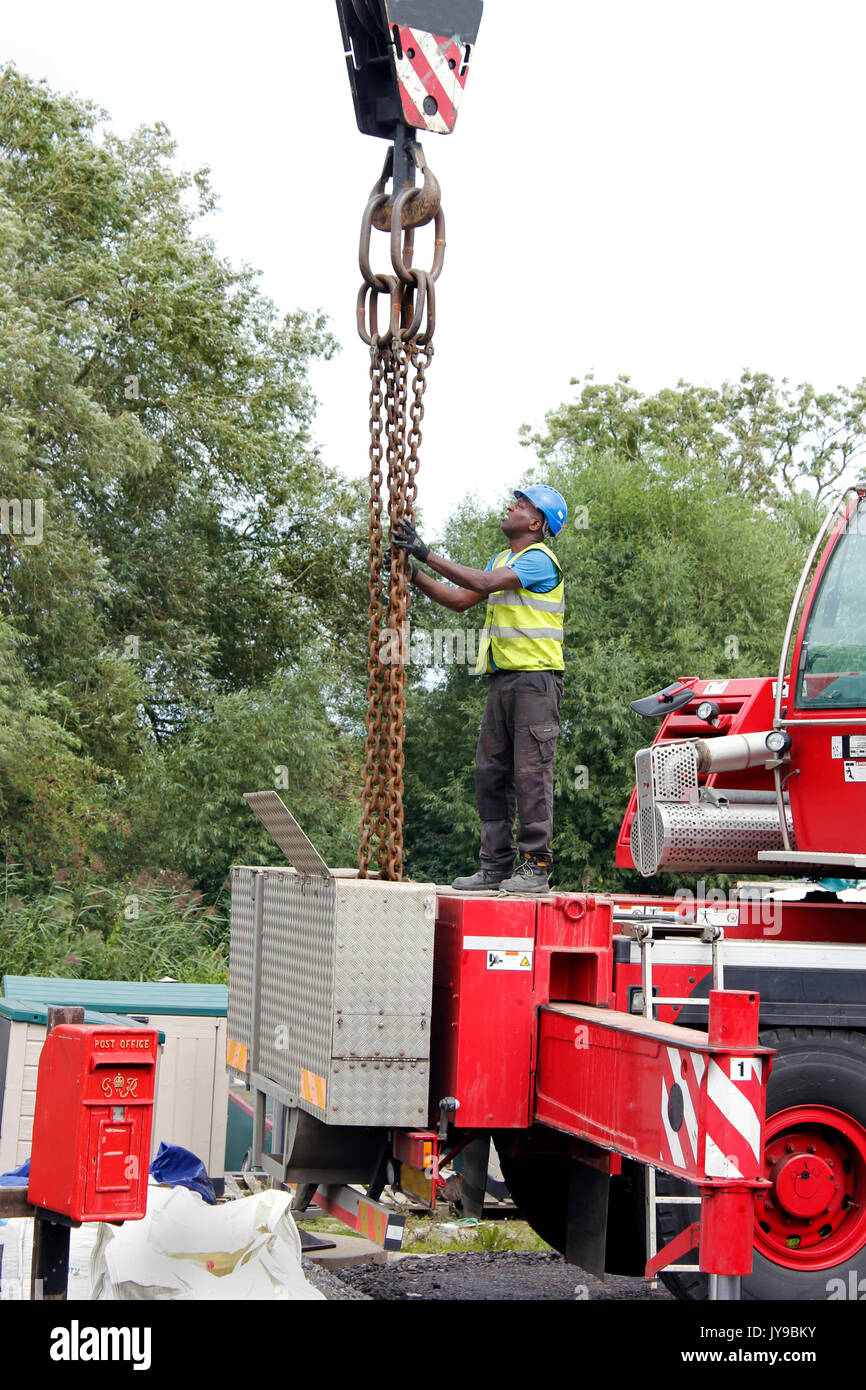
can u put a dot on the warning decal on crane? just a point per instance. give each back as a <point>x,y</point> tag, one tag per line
<point>848,746</point>
<point>734,1118</point>
<point>509,960</point>
<point>431,84</point>
<point>722,1101</point>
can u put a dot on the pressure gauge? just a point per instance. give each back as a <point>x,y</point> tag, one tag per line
<point>708,710</point>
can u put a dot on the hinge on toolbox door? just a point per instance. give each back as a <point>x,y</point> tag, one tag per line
<point>408,61</point>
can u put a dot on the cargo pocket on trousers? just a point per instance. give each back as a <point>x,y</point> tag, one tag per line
<point>545,736</point>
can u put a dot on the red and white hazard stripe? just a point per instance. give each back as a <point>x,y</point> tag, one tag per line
<point>733,1117</point>
<point>685,1069</point>
<point>429,68</point>
<point>726,1126</point>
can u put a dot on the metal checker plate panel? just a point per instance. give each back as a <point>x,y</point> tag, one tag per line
<point>285,832</point>
<point>241,956</point>
<point>361,947</point>
<point>384,957</point>
<point>383,962</point>
<point>394,1095</point>
<point>374,1036</point>
<point>297,977</point>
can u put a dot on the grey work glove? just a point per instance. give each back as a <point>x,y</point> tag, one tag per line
<point>405,537</point>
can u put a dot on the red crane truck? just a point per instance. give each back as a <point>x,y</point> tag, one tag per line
<point>617,1048</point>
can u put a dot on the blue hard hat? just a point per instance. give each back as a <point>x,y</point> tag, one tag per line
<point>550,502</point>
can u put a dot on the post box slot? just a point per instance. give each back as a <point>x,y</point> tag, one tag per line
<point>119,1059</point>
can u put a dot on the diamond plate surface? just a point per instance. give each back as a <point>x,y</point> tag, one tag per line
<point>384,957</point>
<point>346,991</point>
<point>379,1094</point>
<point>285,832</point>
<point>241,942</point>
<point>297,977</point>
<point>404,1038</point>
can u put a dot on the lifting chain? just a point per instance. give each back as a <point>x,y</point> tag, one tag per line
<point>400,352</point>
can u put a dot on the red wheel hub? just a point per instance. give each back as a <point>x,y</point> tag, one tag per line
<point>814,1215</point>
<point>805,1186</point>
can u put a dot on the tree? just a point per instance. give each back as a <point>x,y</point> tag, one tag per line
<point>53,807</point>
<point>156,410</point>
<point>760,436</point>
<point>186,799</point>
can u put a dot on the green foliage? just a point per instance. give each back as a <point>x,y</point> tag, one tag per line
<point>53,805</point>
<point>186,800</point>
<point>146,930</point>
<point>161,409</point>
<point>175,630</point>
<point>438,1235</point>
<point>760,437</point>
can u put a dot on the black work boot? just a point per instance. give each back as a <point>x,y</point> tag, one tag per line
<point>530,877</point>
<point>485,881</point>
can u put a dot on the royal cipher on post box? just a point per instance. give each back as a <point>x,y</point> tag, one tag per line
<point>92,1122</point>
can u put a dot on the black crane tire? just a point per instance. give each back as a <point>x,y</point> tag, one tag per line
<point>538,1186</point>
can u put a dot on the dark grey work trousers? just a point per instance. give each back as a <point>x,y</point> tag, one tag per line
<point>514,765</point>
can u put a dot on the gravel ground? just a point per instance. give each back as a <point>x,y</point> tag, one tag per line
<point>495,1276</point>
<point>327,1282</point>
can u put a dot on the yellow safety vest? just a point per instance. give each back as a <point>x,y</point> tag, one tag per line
<point>523,630</point>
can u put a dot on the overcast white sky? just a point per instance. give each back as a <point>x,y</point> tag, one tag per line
<point>665,189</point>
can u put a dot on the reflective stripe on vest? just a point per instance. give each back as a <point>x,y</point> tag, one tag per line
<point>523,631</point>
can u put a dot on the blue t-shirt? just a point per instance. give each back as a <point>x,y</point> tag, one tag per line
<point>536,571</point>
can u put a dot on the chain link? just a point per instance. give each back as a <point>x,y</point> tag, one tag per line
<point>372,794</point>
<point>407,343</point>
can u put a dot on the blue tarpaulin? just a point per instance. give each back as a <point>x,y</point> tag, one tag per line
<point>177,1167</point>
<point>18,1178</point>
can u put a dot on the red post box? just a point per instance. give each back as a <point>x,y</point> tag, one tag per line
<point>92,1122</point>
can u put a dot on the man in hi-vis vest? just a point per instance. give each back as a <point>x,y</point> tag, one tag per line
<point>521,652</point>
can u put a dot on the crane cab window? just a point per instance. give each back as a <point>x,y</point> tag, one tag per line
<point>832,669</point>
